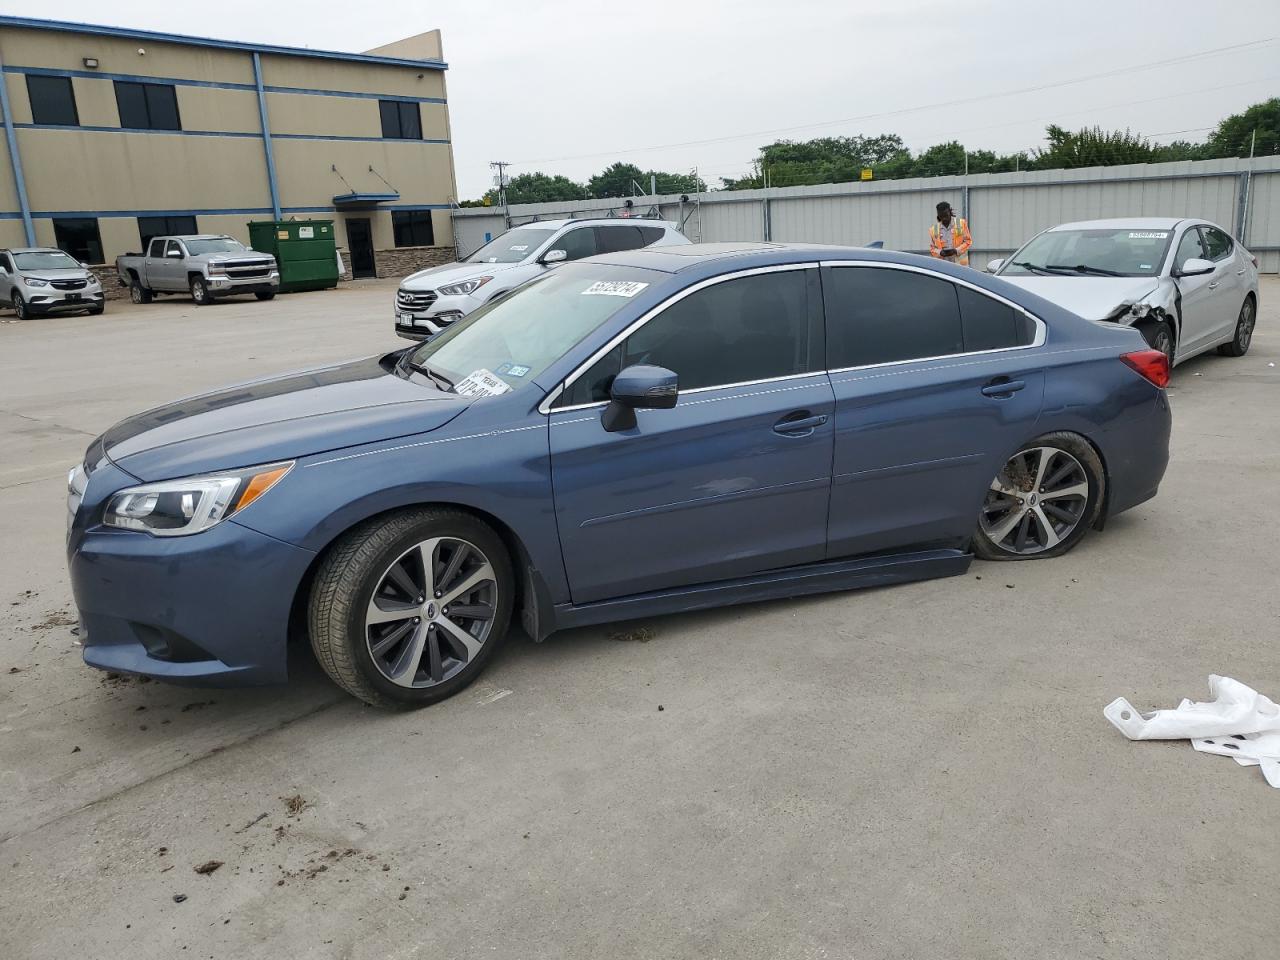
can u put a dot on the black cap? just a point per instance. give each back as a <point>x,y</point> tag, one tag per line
<point>943,206</point>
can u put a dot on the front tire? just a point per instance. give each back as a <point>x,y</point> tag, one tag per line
<point>1159,336</point>
<point>407,610</point>
<point>1243,336</point>
<point>97,311</point>
<point>1043,501</point>
<point>20,307</point>
<point>200,292</point>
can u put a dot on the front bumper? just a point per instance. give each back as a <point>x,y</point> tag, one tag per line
<point>45,300</point>
<point>210,609</point>
<point>222,285</point>
<point>418,322</point>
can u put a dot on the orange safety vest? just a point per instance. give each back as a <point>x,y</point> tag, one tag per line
<point>959,239</point>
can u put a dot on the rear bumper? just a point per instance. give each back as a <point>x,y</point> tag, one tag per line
<point>1137,455</point>
<point>209,609</point>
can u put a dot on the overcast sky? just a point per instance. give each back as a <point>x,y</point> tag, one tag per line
<point>568,87</point>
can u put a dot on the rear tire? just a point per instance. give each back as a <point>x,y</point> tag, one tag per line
<point>1159,336</point>
<point>137,292</point>
<point>265,294</point>
<point>1243,335</point>
<point>381,624</point>
<point>20,306</point>
<point>200,292</point>
<point>1043,501</point>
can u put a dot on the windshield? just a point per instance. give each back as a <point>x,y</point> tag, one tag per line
<point>198,248</point>
<point>1123,252</point>
<point>515,338</point>
<point>512,247</point>
<point>45,260</point>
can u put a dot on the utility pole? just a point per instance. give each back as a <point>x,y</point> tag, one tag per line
<point>501,167</point>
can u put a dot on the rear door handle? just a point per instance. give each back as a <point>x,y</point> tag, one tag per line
<point>1240,272</point>
<point>1003,388</point>
<point>1213,285</point>
<point>801,427</point>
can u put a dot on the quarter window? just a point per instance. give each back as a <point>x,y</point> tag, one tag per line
<point>412,228</point>
<point>1189,248</point>
<point>651,234</point>
<point>180,226</point>
<point>877,315</point>
<point>1217,244</point>
<point>53,100</point>
<point>147,106</point>
<point>749,328</point>
<point>613,239</point>
<point>989,324</point>
<point>401,120</point>
<point>79,237</point>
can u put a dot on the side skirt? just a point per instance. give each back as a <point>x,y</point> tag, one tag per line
<point>824,577</point>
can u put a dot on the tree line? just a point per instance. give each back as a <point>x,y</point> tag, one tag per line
<point>841,159</point>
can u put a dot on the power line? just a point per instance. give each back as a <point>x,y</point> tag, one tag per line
<point>1156,64</point>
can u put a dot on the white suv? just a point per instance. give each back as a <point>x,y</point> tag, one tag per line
<point>430,300</point>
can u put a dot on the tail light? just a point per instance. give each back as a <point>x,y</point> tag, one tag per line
<point>1151,365</point>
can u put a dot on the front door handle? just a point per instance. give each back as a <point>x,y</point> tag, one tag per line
<point>1213,285</point>
<point>799,426</point>
<point>1003,388</point>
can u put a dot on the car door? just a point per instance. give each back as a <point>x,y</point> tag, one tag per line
<point>170,269</point>
<point>1199,303</point>
<point>1229,274</point>
<point>734,479</point>
<point>937,383</point>
<point>7,278</point>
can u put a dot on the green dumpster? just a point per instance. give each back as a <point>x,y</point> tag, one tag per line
<point>304,250</point>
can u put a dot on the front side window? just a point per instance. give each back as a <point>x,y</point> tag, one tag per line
<point>400,120</point>
<point>1216,243</point>
<point>878,315</point>
<point>79,237</point>
<point>512,247</point>
<point>1190,247</point>
<point>147,106</point>
<point>737,331</point>
<point>412,228</point>
<point>173,248</point>
<point>53,100</point>
<point>45,260</point>
<point>578,243</point>
<point>149,227</point>
<point>1125,252</point>
<point>518,336</point>
<point>198,247</point>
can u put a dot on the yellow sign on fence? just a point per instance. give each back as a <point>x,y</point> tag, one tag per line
<point>866,173</point>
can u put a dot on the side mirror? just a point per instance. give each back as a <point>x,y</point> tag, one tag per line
<point>994,265</point>
<point>554,256</point>
<point>639,387</point>
<point>174,254</point>
<point>1196,267</point>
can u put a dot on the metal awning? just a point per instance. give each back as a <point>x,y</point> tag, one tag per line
<point>364,199</point>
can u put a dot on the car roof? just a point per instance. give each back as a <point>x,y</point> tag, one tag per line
<point>596,221</point>
<point>1122,223</point>
<point>194,236</point>
<point>32,250</point>
<point>757,253</point>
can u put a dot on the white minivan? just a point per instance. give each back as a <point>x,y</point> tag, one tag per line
<point>430,300</point>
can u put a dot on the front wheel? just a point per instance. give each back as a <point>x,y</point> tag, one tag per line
<point>20,306</point>
<point>1043,500</point>
<point>97,311</point>
<point>1160,336</point>
<point>1239,344</point>
<point>408,610</point>
<point>200,292</point>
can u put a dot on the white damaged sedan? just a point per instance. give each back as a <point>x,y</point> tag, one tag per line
<point>1187,285</point>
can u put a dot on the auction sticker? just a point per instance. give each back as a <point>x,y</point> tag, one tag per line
<point>1149,235</point>
<point>481,383</point>
<point>614,288</point>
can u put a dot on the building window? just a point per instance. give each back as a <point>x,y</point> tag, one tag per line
<point>52,100</point>
<point>149,227</point>
<point>400,120</point>
<point>413,228</point>
<point>147,106</point>
<point>79,237</point>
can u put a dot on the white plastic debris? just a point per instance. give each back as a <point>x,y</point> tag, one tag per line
<point>1239,722</point>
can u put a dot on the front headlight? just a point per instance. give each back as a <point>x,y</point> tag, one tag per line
<point>92,280</point>
<point>464,288</point>
<point>176,508</point>
<point>217,268</point>
<point>33,282</point>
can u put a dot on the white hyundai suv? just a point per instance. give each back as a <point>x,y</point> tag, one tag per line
<point>430,300</point>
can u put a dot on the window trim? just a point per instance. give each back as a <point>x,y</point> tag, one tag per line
<point>545,406</point>
<point>1042,329</point>
<point>146,103</point>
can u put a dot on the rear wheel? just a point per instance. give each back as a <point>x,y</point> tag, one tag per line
<point>408,610</point>
<point>20,306</point>
<point>200,292</point>
<point>1160,336</point>
<point>1239,344</point>
<point>137,292</point>
<point>1043,501</point>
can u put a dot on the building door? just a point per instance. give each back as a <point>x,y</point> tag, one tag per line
<point>360,242</point>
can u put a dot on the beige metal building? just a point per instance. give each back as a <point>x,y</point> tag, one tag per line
<point>115,135</point>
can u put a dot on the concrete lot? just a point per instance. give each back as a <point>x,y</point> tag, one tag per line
<point>920,771</point>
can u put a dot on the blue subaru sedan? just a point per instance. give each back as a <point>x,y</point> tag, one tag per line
<point>632,434</point>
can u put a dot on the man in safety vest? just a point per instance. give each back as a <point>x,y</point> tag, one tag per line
<point>949,238</point>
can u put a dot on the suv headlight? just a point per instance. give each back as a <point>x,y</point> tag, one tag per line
<point>33,282</point>
<point>463,288</point>
<point>92,280</point>
<point>175,508</point>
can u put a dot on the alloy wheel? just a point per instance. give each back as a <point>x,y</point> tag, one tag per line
<point>431,612</point>
<point>135,293</point>
<point>1164,342</point>
<point>1244,326</point>
<point>1036,501</point>
<point>19,305</point>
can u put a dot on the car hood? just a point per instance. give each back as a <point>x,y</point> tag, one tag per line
<point>71,273</point>
<point>434,277</point>
<point>250,255</point>
<point>1094,298</point>
<point>279,418</point>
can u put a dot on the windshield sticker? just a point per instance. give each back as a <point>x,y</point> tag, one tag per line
<point>492,260</point>
<point>614,288</point>
<point>518,370</point>
<point>520,247</point>
<point>1144,266</point>
<point>481,383</point>
<point>1149,235</point>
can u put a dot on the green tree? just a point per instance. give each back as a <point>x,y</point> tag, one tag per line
<point>1233,135</point>
<point>1091,147</point>
<point>539,188</point>
<point>623,179</point>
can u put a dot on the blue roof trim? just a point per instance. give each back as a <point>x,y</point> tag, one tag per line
<point>348,198</point>
<point>31,23</point>
<point>47,214</point>
<point>215,84</point>
<point>172,133</point>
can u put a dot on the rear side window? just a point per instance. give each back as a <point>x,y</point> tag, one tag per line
<point>651,234</point>
<point>1217,244</point>
<point>988,324</point>
<point>157,248</point>
<point>877,315</point>
<point>613,239</point>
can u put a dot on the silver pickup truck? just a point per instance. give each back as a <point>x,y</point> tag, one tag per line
<point>206,266</point>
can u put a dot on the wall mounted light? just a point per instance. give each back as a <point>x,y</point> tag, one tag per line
<point>91,63</point>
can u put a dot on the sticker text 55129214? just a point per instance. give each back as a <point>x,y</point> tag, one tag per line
<point>614,288</point>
